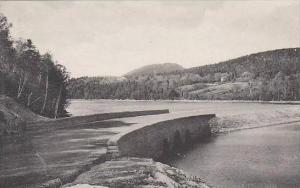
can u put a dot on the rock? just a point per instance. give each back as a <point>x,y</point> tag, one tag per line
<point>136,172</point>
<point>86,186</point>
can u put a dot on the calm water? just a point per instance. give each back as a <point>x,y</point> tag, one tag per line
<point>265,157</point>
<point>85,107</point>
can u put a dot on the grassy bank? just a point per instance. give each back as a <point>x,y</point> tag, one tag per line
<point>13,116</point>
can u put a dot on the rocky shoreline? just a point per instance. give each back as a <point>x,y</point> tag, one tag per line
<point>140,172</point>
<point>135,173</point>
<point>225,124</point>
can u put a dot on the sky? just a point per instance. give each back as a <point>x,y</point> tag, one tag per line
<point>114,37</point>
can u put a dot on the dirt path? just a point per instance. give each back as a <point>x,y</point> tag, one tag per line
<point>54,156</point>
<point>34,158</point>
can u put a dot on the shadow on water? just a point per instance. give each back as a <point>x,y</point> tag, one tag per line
<point>263,157</point>
<point>180,149</point>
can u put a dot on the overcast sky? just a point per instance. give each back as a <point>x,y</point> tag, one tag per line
<point>111,38</point>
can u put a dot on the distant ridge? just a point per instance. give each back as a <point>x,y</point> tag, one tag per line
<point>155,68</point>
<point>254,59</point>
<point>266,76</point>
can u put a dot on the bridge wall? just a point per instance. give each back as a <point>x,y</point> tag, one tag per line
<point>160,138</point>
<point>87,119</point>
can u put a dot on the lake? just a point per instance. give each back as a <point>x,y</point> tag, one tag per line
<point>221,108</point>
<point>263,157</point>
<point>268,156</point>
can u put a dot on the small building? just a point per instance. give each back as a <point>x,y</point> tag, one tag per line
<point>246,76</point>
<point>224,78</point>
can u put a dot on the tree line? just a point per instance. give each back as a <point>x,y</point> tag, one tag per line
<point>271,75</point>
<point>33,79</point>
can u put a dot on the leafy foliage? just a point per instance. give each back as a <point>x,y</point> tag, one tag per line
<point>271,75</point>
<point>33,79</point>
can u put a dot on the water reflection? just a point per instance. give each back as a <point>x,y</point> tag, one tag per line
<point>265,157</point>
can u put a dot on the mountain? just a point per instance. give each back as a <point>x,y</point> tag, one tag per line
<point>99,79</point>
<point>270,75</point>
<point>155,69</point>
<point>267,62</point>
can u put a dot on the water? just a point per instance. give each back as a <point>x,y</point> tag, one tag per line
<point>36,157</point>
<point>264,157</point>
<point>85,107</point>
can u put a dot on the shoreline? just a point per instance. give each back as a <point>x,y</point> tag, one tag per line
<point>228,123</point>
<point>270,121</point>
<point>83,179</point>
<point>191,101</point>
<point>256,127</point>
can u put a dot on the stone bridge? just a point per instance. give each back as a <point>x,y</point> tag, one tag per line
<point>86,120</point>
<point>159,138</point>
<point>78,143</point>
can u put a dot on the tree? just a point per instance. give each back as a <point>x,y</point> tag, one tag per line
<point>28,59</point>
<point>30,75</point>
<point>278,85</point>
<point>6,48</point>
<point>6,51</point>
<point>173,94</point>
<point>46,62</point>
<point>61,82</point>
<point>58,102</point>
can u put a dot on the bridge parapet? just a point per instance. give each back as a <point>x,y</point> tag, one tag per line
<point>155,140</point>
<point>88,119</point>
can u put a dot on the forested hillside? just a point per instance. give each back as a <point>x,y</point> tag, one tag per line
<point>155,69</point>
<point>31,78</point>
<point>271,75</point>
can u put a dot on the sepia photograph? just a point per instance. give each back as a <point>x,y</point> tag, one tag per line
<point>150,94</point>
